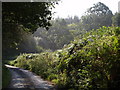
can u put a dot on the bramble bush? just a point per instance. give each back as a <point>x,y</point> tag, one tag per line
<point>92,61</point>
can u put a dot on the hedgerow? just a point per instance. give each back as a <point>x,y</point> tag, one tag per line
<point>89,62</point>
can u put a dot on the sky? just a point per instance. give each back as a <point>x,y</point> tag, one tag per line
<point>78,7</point>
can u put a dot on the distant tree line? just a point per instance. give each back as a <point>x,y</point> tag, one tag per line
<point>62,31</point>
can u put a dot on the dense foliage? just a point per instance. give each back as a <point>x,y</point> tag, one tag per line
<point>90,62</point>
<point>59,34</point>
<point>22,17</point>
<point>116,19</point>
<point>93,61</point>
<point>30,15</point>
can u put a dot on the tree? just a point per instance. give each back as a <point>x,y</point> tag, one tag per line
<point>116,19</point>
<point>30,15</point>
<point>23,17</point>
<point>99,9</point>
<point>97,16</point>
<point>76,19</point>
<point>57,36</point>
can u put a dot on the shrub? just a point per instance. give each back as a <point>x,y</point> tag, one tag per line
<point>92,63</point>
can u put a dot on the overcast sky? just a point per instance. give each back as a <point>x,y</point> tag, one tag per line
<point>78,7</point>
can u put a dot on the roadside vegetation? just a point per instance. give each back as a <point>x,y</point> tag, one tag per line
<point>92,61</point>
<point>74,53</point>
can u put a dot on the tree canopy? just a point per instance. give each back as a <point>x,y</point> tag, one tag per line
<point>97,16</point>
<point>30,15</point>
<point>19,18</point>
<point>99,9</point>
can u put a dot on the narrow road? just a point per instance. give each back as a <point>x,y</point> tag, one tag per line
<point>25,79</point>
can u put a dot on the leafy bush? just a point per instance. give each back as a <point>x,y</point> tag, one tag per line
<point>93,61</point>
